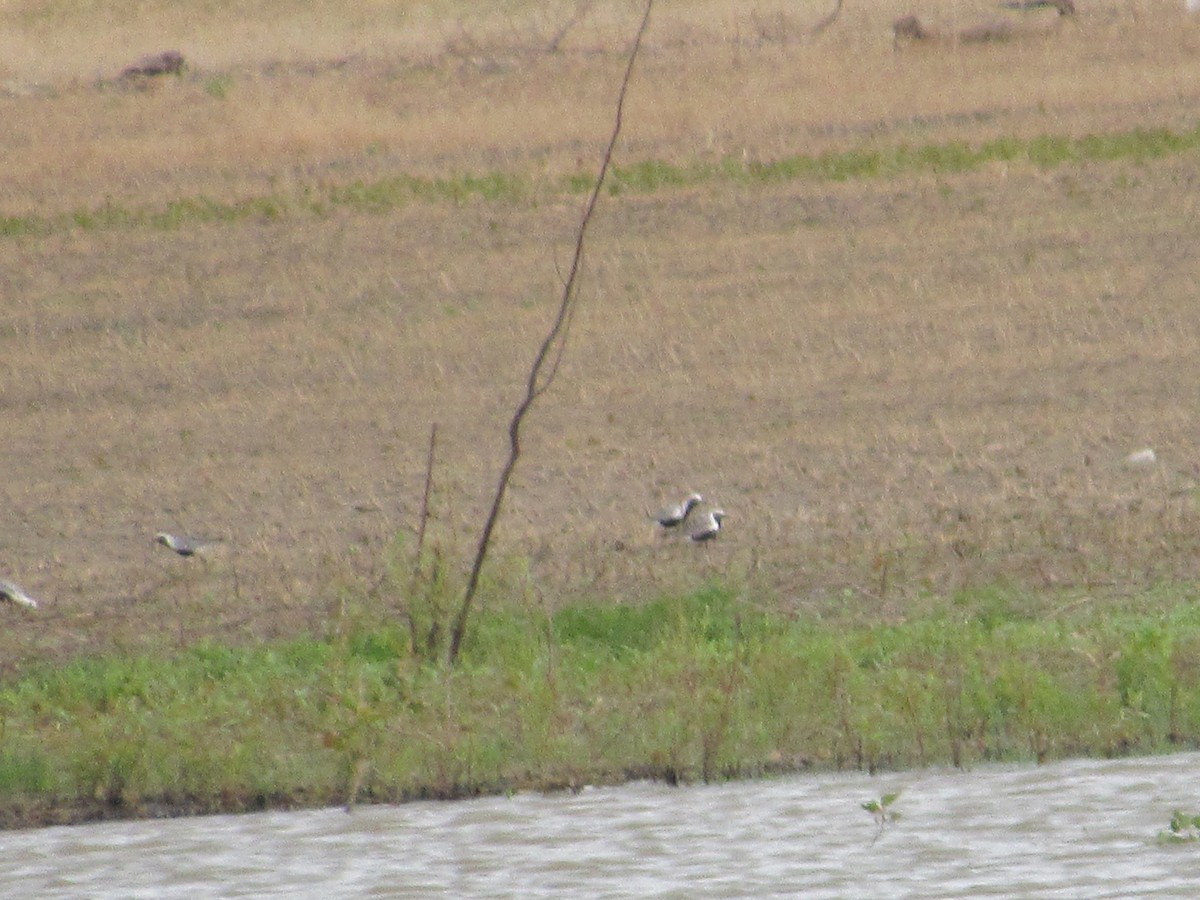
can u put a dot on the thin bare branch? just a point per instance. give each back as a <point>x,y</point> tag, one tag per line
<point>581,10</point>
<point>827,21</point>
<point>536,385</point>
<point>419,556</point>
<point>560,349</point>
<point>425,497</point>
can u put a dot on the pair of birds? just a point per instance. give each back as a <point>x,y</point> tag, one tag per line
<point>180,543</point>
<point>676,515</point>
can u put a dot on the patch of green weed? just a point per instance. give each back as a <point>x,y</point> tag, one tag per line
<point>384,194</point>
<point>694,686</point>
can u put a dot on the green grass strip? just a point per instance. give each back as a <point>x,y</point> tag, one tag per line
<point>1045,151</point>
<point>684,688</point>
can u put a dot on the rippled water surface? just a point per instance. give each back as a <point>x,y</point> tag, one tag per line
<point>1075,829</point>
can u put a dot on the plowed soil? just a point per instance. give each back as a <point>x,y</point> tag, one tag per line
<point>897,387</point>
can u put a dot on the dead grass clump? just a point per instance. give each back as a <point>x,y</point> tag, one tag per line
<point>1062,7</point>
<point>908,30</point>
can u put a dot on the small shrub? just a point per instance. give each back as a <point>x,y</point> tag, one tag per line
<point>1184,829</point>
<point>881,811</point>
<point>218,86</point>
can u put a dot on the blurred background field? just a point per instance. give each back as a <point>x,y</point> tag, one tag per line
<point>901,383</point>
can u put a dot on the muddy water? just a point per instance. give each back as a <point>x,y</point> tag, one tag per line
<point>1075,829</point>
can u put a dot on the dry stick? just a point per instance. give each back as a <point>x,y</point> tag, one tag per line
<point>357,776</point>
<point>580,11</point>
<point>533,389</point>
<point>425,497</point>
<point>375,588</point>
<point>827,21</point>
<point>421,523</point>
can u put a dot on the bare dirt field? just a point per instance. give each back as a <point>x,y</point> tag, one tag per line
<point>898,387</point>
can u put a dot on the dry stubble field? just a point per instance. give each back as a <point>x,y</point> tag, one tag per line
<point>898,387</point>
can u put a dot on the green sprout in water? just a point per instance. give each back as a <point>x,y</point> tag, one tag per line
<point>1184,829</point>
<point>882,812</point>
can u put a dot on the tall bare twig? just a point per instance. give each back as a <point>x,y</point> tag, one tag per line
<point>425,497</point>
<point>419,556</point>
<point>422,522</point>
<point>536,384</point>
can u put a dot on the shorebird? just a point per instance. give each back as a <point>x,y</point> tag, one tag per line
<point>10,593</point>
<point>709,527</point>
<point>183,544</point>
<point>675,515</point>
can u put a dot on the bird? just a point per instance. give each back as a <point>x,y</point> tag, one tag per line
<point>673,516</point>
<point>183,544</point>
<point>10,593</point>
<point>709,527</point>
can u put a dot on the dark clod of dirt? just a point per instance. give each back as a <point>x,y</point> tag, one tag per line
<point>168,62</point>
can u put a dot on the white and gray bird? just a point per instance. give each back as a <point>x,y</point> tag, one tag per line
<point>183,544</point>
<point>10,593</point>
<point>709,526</point>
<point>674,515</point>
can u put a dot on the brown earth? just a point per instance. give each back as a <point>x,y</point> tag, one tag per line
<point>897,388</point>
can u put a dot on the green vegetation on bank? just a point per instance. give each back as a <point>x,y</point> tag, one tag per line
<point>1183,829</point>
<point>1045,151</point>
<point>705,686</point>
